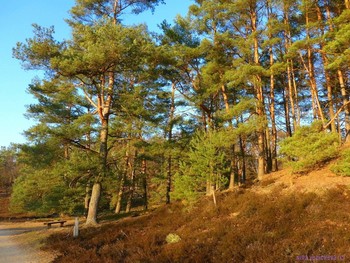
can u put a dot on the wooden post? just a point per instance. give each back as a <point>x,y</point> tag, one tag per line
<point>76,228</point>
<point>214,197</point>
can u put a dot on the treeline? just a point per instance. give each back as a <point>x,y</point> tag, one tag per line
<point>127,117</point>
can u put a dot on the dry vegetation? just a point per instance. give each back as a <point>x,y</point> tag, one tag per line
<point>246,226</point>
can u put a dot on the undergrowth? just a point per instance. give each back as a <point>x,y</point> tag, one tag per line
<point>342,165</point>
<point>244,227</point>
<point>309,148</point>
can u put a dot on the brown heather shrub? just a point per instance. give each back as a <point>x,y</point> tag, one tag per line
<point>244,227</point>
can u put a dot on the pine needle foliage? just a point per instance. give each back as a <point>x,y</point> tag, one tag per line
<point>205,162</point>
<point>342,166</point>
<point>309,147</point>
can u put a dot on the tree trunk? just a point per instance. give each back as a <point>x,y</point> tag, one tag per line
<point>93,205</point>
<point>345,104</point>
<point>273,143</point>
<point>259,95</point>
<point>309,67</point>
<point>327,74</point>
<point>291,93</point>
<point>242,169</point>
<point>118,205</point>
<point>144,183</point>
<point>170,138</point>
<point>87,198</point>
<point>232,155</point>
<point>233,170</point>
<point>343,92</point>
<point>168,183</point>
<point>103,109</point>
<point>122,181</point>
<point>286,97</point>
<point>96,189</point>
<point>132,184</point>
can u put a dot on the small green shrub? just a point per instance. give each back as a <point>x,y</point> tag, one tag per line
<point>342,166</point>
<point>172,238</point>
<point>309,147</point>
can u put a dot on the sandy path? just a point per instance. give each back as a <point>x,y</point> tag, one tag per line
<point>9,251</point>
<point>19,243</point>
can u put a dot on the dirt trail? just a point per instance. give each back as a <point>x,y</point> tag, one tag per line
<point>20,242</point>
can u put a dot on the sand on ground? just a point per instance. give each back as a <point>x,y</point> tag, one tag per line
<point>20,242</point>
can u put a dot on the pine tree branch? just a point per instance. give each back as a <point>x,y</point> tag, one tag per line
<point>336,115</point>
<point>77,144</point>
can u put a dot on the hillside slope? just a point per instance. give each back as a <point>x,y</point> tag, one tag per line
<point>317,181</point>
<point>278,221</point>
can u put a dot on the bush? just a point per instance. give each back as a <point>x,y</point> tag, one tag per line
<point>309,147</point>
<point>172,238</point>
<point>205,163</point>
<point>342,166</point>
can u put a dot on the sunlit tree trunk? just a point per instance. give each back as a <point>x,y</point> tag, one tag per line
<point>93,205</point>
<point>346,105</point>
<point>326,73</point>
<point>273,142</point>
<point>340,75</point>
<point>104,106</point>
<point>310,69</point>
<point>291,93</point>
<point>259,95</point>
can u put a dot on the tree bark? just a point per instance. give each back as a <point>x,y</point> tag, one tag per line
<point>259,95</point>
<point>170,138</point>
<point>104,103</point>
<point>242,168</point>
<point>290,94</point>
<point>93,205</point>
<point>232,148</point>
<point>118,205</point>
<point>326,72</point>
<point>96,189</point>
<point>132,184</point>
<point>309,67</point>
<point>343,92</point>
<point>144,183</point>
<point>346,105</point>
<point>87,198</point>
<point>273,147</point>
<point>122,181</point>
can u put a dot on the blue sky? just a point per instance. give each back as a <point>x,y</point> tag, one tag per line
<point>16,18</point>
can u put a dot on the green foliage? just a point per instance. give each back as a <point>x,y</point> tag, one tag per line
<point>37,192</point>
<point>338,47</point>
<point>205,163</point>
<point>342,166</point>
<point>172,238</point>
<point>45,192</point>
<point>309,147</point>
<point>51,185</point>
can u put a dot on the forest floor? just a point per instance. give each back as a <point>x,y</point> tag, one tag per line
<point>283,218</point>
